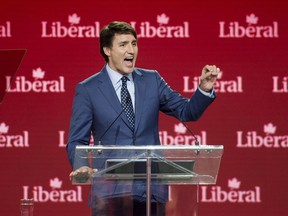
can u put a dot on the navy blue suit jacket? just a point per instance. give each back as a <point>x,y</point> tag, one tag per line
<point>96,106</point>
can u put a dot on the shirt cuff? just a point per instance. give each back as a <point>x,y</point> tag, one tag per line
<point>208,94</point>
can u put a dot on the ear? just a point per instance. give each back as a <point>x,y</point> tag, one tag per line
<point>106,50</point>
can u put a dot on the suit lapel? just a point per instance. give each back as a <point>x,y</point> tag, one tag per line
<point>107,89</point>
<point>140,91</point>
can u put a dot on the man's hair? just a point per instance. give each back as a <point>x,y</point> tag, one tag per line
<point>108,32</point>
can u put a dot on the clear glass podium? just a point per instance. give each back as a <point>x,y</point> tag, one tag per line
<point>147,173</point>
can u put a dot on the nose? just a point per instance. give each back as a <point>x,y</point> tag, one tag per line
<point>130,48</point>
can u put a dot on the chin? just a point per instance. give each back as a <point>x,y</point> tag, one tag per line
<point>129,71</point>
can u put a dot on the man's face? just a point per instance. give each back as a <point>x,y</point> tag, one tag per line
<point>123,53</point>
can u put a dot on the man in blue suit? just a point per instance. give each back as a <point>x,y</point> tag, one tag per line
<point>142,93</point>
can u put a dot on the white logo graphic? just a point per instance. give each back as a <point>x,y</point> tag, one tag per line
<point>74,19</point>
<point>15,140</point>
<point>220,75</point>
<point>55,194</point>
<point>182,137</point>
<point>55,183</point>
<point>38,73</point>
<point>234,183</point>
<point>74,30</point>
<point>280,86</point>
<point>223,86</point>
<point>5,30</point>
<point>180,128</point>
<point>4,128</point>
<point>251,30</point>
<point>62,142</point>
<point>162,19</point>
<point>39,85</point>
<point>144,29</point>
<point>269,128</point>
<point>163,30</point>
<point>251,19</point>
<point>217,194</point>
<point>269,140</point>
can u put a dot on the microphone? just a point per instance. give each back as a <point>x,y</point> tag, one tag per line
<point>196,140</point>
<point>123,109</point>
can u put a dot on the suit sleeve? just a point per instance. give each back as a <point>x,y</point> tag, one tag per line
<point>185,109</point>
<point>80,123</point>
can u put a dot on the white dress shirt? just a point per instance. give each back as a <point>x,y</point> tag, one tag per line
<point>115,78</point>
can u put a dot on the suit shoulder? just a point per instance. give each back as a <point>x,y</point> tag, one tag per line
<point>146,72</point>
<point>90,79</point>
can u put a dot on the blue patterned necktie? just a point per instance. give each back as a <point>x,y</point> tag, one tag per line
<point>127,102</point>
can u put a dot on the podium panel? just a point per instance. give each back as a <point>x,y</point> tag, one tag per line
<point>123,175</point>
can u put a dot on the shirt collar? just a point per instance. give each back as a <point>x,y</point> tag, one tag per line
<point>115,76</point>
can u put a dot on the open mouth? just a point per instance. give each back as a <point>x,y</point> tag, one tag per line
<point>129,61</point>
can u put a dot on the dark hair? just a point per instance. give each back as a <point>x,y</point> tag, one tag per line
<point>108,32</point>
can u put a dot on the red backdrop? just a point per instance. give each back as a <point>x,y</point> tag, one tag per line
<point>247,40</point>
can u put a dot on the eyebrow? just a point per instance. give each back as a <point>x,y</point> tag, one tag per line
<point>126,42</point>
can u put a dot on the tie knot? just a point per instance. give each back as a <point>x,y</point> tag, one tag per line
<point>124,79</point>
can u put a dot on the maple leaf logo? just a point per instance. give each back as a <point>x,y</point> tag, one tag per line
<point>234,183</point>
<point>251,19</point>
<point>180,128</point>
<point>269,128</point>
<point>4,128</point>
<point>220,75</point>
<point>38,73</point>
<point>74,19</point>
<point>55,183</point>
<point>162,19</point>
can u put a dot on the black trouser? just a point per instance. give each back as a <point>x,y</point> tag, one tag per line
<point>125,206</point>
<point>157,209</point>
